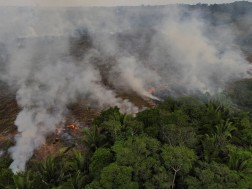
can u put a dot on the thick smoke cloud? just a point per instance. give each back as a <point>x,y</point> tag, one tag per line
<point>56,55</point>
<point>197,56</point>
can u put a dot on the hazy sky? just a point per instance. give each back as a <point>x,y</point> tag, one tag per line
<point>103,2</point>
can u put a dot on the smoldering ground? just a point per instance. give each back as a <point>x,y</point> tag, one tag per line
<point>51,56</point>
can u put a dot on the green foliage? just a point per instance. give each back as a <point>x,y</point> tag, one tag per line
<point>181,143</point>
<point>110,114</point>
<point>6,178</point>
<point>78,162</point>
<point>170,105</point>
<point>116,176</point>
<point>192,106</point>
<point>51,172</point>
<point>178,158</point>
<point>151,120</point>
<point>240,160</point>
<point>160,179</point>
<point>5,173</point>
<point>243,134</point>
<point>112,129</point>
<point>135,150</point>
<point>101,158</point>
<point>215,175</point>
<point>93,138</point>
<point>95,184</point>
<point>178,136</point>
<point>28,180</point>
<point>78,181</point>
<point>22,181</point>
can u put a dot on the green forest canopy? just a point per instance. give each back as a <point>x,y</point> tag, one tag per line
<point>182,143</point>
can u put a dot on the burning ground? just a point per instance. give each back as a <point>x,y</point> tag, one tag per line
<point>68,134</point>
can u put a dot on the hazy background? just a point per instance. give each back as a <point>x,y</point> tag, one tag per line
<point>104,2</point>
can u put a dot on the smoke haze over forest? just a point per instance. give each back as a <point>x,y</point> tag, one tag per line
<point>52,56</point>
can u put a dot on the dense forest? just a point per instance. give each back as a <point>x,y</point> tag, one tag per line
<point>185,142</point>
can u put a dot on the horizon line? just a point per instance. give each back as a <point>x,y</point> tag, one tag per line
<point>111,6</point>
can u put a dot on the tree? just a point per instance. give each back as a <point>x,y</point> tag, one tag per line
<point>111,128</point>
<point>140,153</point>
<point>79,162</point>
<point>101,158</point>
<point>28,180</point>
<point>192,106</point>
<point>178,136</point>
<point>179,159</point>
<point>170,105</point>
<point>215,175</point>
<point>6,175</point>
<point>153,120</point>
<point>115,176</point>
<point>6,178</point>
<point>93,138</point>
<point>217,140</point>
<point>243,134</point>
<point>51,171</point>
<point>78,181</point>
<point>135,149</point>
<point>240,160</point>
<point>210,148</point>
<point>224,129</point>
<point>109,114</point>
<point>161,179</point>
<point>130,126</point>
<point>150,173</point>
<point>22,181</point>
<point>94,185</point>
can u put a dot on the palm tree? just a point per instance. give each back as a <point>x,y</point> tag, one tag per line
<point>79,181</point>
<point>225,129</point>
<point>51,171</point>
<point>93,138</point>
<point>222,132</point>
<point>22,181</point>
<point>79,162</point>
<point>211,150</point>
<point>217,140</point>
<point>240,161</point>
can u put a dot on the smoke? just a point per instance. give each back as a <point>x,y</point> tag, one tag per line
<point>198,57</point>
<point>56,55</point>
<point>46,83</point>
<point>133,75</point>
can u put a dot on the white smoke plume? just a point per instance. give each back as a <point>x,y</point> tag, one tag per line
<point>132,74</point>
<point>49,64</point>
<point>45,85</point>
<point>198,57</point>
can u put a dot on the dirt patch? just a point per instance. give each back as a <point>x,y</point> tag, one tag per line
<point>44,151</point>
<point>8,110</point>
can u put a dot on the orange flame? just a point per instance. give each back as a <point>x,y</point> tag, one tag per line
<point>73,127</point>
